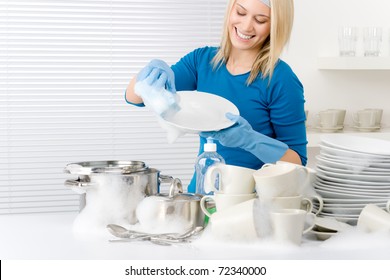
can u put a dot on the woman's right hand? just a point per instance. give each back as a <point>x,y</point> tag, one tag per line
<point>158,75</point>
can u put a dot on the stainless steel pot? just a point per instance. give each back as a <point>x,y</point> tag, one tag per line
<point>165,213</point>
<point>124,183</point>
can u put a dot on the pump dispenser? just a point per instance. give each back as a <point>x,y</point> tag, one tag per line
<point>204,161</point>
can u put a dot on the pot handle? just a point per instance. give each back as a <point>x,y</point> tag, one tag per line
<point>175,184</point>
<point>78,185</point>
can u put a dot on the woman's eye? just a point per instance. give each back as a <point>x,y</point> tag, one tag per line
<point>260,21</point>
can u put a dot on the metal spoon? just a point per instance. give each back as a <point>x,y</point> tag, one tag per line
<point>122,232</point>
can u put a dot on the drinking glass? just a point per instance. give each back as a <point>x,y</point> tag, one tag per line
<point>348,36</point>
<point>372,38</point>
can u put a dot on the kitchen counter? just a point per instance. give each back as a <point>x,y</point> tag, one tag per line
<point>50,236</point>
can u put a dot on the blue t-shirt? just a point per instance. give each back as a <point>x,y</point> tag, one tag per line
<point>275,109</point>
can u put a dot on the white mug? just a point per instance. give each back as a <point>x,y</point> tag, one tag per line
<point>374,218</point>
<point>288,224</point>
<point>290,202</point>
<point>236,223</point>
<point>307,188</point>
<point>274,180</point>
<point>224,201</point>
<point>232,179</point>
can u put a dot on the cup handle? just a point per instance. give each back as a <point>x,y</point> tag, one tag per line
<point>321,201</point>
<point>210,177</point>
<point>266,165</point>
<point>203,204</point>
<point>304,172</point>
<point>388,206</point>
<point>308,203</point>
<point>312,222</point>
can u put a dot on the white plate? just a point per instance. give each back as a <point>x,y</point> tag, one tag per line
<point>350,167</point>
<point>351,205</point>
<point>331,223</point>
<point>348,216</point>
<point>329,200</point>
<point>342,211</point>
<point>359,161</point>
<point>320,235</point>
<point>352,154</point>
<point>202,111</point>
<point>334,194</point>
<point>351,189</point>
<point>368,172</point>
<point>358,144</point>
<point>354,186</point>
<point>359,177</point>
<point>352,192</point>
<point>349,220</point>
<point>350,181</point>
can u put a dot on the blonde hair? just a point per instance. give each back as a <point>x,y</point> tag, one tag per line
<point>282,17</point>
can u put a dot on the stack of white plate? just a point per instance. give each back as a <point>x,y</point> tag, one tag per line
<point>352,172</point>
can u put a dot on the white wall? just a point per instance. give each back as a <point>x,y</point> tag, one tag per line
<point>315,34</point>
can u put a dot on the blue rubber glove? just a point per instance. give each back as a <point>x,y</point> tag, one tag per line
<point>241,135</point>
<point>156,86</point>
<point>159,75</point>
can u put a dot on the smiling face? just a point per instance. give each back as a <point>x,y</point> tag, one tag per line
<point>249,24</point>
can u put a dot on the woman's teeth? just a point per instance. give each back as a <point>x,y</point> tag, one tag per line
<point>243,36</point>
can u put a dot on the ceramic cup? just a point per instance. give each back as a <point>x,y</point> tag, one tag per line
<point>312,173</point>
<point>232,179</point>
<point>296,202</point>
<point>374,218</point>
<point>288,224</point>
<point>328,119</point>
<point>236,223</point>
<point>340,115</point>
<point>378,115</point>
<point>366,118</point>
<point>290,202</point>
<point>224,201</point>
<point>274,180</point>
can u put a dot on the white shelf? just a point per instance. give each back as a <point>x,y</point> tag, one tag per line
<point>314,137</point>
<point>354,63</point>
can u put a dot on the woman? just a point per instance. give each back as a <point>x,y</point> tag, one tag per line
<point>246,70</point>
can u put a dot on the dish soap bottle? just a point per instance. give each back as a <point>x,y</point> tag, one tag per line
<point>204,160</point>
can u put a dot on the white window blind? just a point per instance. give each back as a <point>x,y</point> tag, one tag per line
<point>64,67</point>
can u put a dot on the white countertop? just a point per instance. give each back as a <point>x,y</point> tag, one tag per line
<point>50,236</point>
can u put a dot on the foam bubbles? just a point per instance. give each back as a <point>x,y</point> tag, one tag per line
<point>112,200</point>
<point>160,214</point>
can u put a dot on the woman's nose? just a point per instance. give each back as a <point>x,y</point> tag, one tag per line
<point>247,24</point>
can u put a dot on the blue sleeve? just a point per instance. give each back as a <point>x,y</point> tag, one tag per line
<point>135,104</point>
<point>186,69</point>
<point>287,110</point>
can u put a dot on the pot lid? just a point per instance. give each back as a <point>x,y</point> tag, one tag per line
<point>112,166</point>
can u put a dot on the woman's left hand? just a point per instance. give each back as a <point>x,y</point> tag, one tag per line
<point>241,135</point>
<point>231,136</point>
